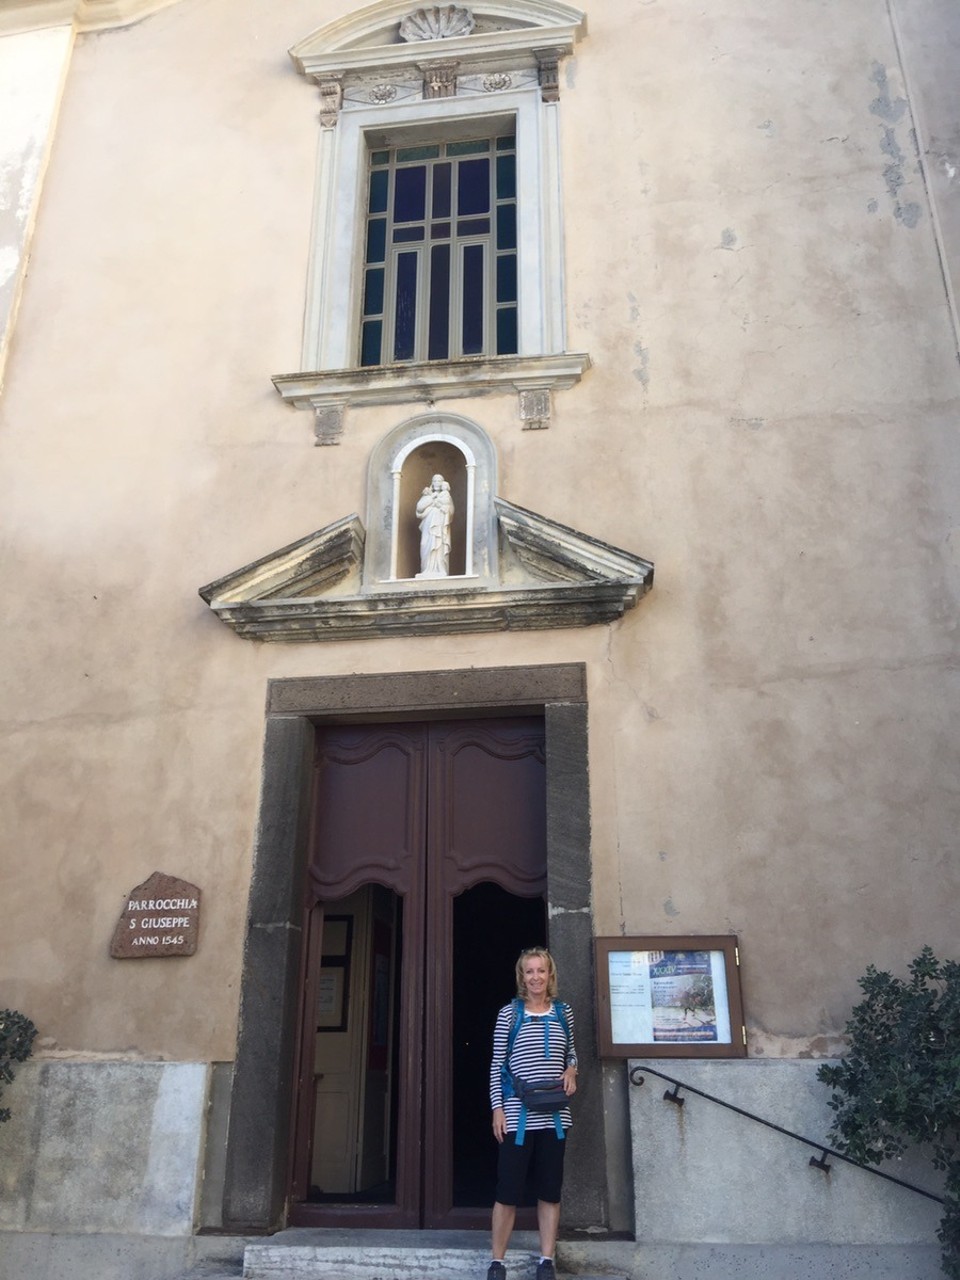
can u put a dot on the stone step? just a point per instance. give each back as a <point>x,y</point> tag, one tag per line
<point>377,1262</point>
<point>207,1274</point>
<point>446,1266</point>
<point>300,1254</point>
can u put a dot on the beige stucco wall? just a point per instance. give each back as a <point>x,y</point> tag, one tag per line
<point>770,417</point>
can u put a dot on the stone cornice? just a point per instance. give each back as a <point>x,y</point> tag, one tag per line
<point>83,15</point>
<point>330,392</point>
<point>568,579</point>
<point>509,48</point>
<point>452,611</point>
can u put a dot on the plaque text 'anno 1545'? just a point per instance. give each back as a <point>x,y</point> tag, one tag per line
<point>161,918</point>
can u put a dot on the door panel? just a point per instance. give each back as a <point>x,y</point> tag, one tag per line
<point>487,818</point>
<point>368,812</point>
<point>430,812</point>
<point>486,824</point>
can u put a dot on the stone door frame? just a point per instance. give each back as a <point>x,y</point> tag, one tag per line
<point>258,1143</point>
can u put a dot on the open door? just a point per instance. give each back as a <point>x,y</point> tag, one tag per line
<point>427,877</point>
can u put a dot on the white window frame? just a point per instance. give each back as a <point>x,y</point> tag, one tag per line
<point>332,324</point>
<point>499,75</point>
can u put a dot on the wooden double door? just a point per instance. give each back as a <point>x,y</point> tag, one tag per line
<point>426,877</point>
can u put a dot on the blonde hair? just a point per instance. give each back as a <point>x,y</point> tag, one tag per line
<point>525,955</point>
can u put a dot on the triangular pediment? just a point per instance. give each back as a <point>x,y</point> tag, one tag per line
<point>396,32</point>
<point>312,589</point>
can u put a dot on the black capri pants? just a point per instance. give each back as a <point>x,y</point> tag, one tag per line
<point>540,1158</point>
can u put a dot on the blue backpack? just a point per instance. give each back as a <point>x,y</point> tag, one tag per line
<point>507,1082</point>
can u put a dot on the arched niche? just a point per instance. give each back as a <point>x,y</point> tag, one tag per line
<point>401,466</point>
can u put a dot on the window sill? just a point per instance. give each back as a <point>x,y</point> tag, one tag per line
<point>330,392</point>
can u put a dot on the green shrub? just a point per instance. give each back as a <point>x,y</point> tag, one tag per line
<point>16,1045</point>
<point>899,1083</point>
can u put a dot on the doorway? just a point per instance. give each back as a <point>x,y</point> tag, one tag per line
<point>259,1111</point>
<point>426,877</point>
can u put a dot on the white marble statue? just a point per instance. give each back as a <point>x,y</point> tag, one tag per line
<point>435,513</point>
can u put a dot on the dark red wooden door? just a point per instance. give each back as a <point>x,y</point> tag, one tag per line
<point>430,811</point>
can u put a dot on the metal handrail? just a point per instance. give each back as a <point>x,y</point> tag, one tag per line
<point>636,1077</point>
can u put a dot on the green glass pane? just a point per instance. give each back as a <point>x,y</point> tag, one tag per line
<point>472,268</point>
<point>378,191</point>
<point>506,226</point>
<point>507,277</point>
<point>507,344</point>
<point>507,144</point>
<point>474,148</point>
<point>410,194</point>
<point>473,227</point>
<point>506,177</point>
<point>373,292</point>
<point>473,187</point>
<point>417,153</point>
<point>405,318</point>
<point>379,157</point>
<point>370,342</point>
<point>376,240</point>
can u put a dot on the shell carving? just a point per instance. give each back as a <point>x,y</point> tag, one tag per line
<point>437,22</point>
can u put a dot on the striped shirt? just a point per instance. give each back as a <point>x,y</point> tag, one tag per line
<point>534,1057</point>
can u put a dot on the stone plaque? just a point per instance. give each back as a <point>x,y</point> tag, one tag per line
<point>161,918</point>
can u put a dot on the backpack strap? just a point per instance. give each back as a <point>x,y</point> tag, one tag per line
<point>517,1005</point>
<point>506,1079</point>
<point>560,1009</point>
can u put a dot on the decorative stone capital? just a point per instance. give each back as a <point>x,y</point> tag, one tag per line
<point>328,422</point>
<point>331,100</point>
<point>440,78</point>
<point>535,408</point>
<point>548,63</point>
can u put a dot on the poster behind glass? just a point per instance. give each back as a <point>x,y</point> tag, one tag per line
<point>670,997</point>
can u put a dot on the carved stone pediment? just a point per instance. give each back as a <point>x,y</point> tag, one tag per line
<point>395,34</point>
<point>549,576</point>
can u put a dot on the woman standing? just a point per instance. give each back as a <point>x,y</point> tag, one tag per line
<point>533,1038</point>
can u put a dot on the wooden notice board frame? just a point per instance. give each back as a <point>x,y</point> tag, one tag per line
<point>669,997</point>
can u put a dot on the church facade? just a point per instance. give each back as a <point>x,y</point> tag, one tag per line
<point>472,476</point>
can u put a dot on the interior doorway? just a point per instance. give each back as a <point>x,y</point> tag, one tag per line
<point>427,876</point>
